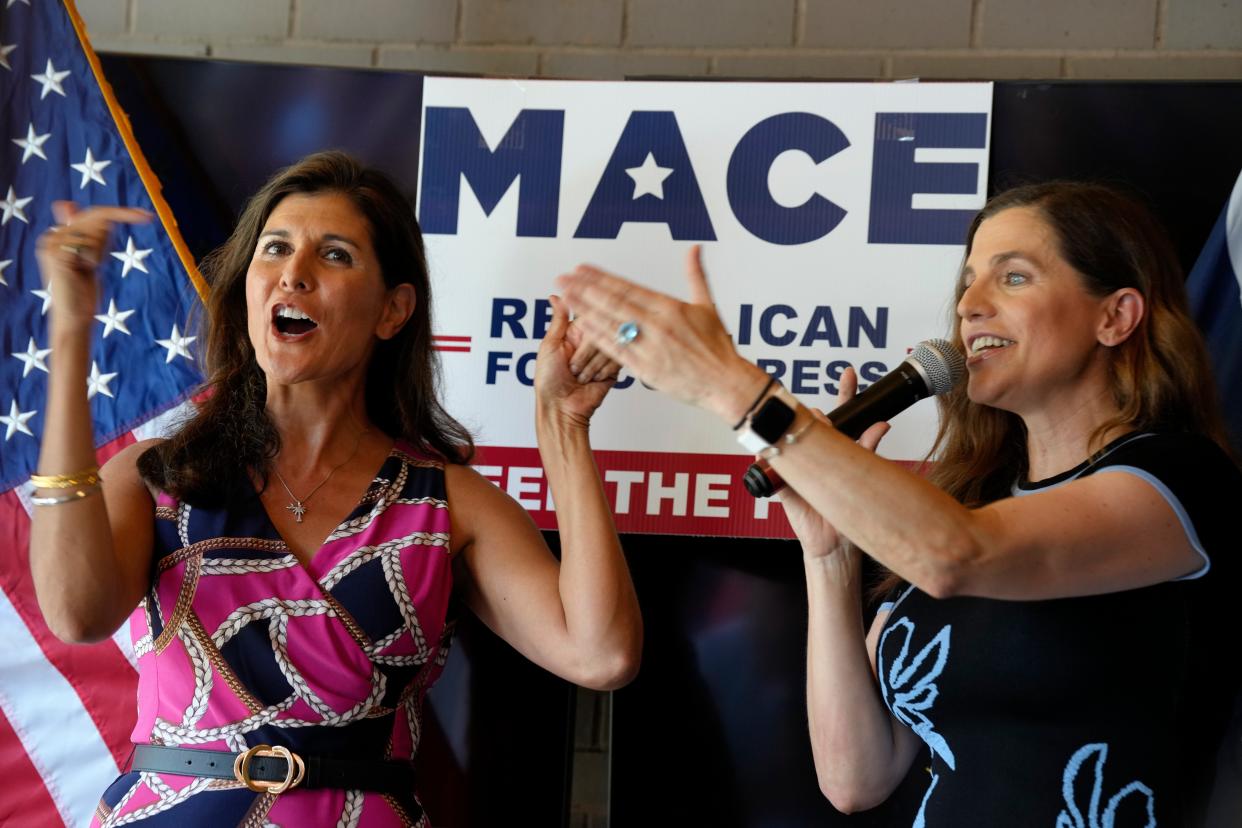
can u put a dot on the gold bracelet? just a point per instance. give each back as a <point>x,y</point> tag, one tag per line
<point>86,477</point>
<point>57,500</point>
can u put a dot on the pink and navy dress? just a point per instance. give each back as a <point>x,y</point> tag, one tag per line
<point>239,644</point>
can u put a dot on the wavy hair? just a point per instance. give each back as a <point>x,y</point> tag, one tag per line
<point>230,432</point>
<point>1160,377</point>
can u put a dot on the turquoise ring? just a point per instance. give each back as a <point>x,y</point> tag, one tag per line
<point>627,332</point>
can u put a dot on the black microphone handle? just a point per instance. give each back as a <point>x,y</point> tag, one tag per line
<point>884,399</point>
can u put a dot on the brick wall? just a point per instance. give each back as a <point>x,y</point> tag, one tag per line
<point>834,39</point>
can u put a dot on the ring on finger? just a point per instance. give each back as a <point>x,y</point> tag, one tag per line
<point>627,332</point>
<point>75,249</point>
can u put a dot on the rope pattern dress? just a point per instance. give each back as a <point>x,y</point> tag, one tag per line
<point>239,644</point>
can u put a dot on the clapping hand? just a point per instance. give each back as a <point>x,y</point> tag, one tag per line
<point>571,375</point>
<point>680,348</point>
<point>819,537</point>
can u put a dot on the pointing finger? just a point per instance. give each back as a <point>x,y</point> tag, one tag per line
<point>700,294</point>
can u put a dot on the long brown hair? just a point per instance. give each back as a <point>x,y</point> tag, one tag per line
<point>230,431</point>
<point>1160,376</point>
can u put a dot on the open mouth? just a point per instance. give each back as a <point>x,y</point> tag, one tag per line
<point>988,343</point>
<point>292,322</point>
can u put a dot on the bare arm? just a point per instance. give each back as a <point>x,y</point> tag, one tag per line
<point>89,557</point>
<point>578,618</point>
<point>861,751</point>
<point>1103,533</point>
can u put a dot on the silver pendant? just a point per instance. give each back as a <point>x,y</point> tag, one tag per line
<point>298,509</point>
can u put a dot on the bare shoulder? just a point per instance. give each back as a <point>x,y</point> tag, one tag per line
<point>479,508</point>
<point>465,485</point>
<point>121,469</point>
<point>125,461</point>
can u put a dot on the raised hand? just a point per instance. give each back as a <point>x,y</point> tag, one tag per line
<point>572,393</point>
<point>680,348</point>
<point>69,252</point>
<point>820,538</point>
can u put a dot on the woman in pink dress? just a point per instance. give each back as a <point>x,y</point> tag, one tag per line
<point>286,559</point>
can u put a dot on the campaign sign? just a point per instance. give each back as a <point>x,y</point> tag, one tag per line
<point>832,218</point>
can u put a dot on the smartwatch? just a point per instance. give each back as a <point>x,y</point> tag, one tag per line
<point>767,425</point>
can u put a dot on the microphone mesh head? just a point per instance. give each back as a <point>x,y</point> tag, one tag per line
<point>943,364</point>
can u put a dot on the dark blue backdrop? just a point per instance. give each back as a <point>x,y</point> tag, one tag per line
<point>713,731</point>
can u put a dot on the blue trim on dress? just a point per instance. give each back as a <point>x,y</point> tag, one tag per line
<point>1182,515</point>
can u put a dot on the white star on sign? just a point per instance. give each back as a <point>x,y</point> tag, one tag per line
<point>12,207</point>
<point>34,357</point>
<point>5,48</point>
<point>46,296</point>
<point>114,320</point>
<point>3,264</point>
<point>132,257</point>
<point>97,383</point>
<point>32,144</point>
<point>16,421</point>
<point>51,80</point>
<point>175,345</point>
<point>649,178</point>
<point>91,170</point>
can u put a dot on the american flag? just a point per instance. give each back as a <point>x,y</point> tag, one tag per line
<point>1215,288</point>
<point>66,710</point>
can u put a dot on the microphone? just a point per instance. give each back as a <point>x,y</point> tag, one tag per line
<point>933,369</point>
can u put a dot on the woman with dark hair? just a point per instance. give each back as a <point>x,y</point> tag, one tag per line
<point>294,549</point>
<point>1057,593</point>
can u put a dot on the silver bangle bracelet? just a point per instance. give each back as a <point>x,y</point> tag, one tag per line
<point>788,438</point>
<point>56,500</point>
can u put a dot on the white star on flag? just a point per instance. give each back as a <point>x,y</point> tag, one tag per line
<point>649,178</point>
<point>34,357</point>
<point>97,383</point>
<point>114,320</point>
<point>32,144</point>
<point>175,345</point>
<point>132,257</point>
<point>3,264</point>
<point>51,80</point>
<point>91,170</point>
<point>11,2</point>
<point>5,48</point>
<point>12,207</point>
<point>16,421</point>
<point>46,296</point>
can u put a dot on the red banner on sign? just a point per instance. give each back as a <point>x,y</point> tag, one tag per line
<point>652,493</point>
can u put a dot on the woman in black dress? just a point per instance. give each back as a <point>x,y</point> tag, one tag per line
<point>1056,627</point>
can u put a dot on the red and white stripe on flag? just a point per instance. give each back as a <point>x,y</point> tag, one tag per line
<point>66,710</point>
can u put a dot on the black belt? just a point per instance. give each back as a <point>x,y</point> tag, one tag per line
<point>274,770</point>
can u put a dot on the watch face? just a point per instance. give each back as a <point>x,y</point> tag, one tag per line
<point>772,419</point>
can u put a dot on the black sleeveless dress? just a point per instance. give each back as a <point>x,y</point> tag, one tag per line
<point>1103,711</point>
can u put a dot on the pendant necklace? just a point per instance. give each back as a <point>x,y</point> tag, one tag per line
<point>298,504</point>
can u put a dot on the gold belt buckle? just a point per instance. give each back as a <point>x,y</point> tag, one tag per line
<point>296,769</point>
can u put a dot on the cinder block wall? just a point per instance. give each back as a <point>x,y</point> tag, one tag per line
<point>831,39</point>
